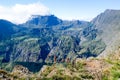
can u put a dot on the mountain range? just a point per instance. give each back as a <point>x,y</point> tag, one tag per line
<point>46,39</point>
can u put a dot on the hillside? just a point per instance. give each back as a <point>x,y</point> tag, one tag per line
<point>108,26</point>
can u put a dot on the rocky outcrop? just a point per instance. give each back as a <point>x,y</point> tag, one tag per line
<point>21,71</point>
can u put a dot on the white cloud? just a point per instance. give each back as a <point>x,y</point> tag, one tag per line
<point>20,13</point>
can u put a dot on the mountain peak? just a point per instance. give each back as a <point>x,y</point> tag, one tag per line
<point>43,21</point>
<point>107,16</point>
<point>111,10</point>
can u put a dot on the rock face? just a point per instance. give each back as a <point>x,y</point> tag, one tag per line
<point>42,38</point>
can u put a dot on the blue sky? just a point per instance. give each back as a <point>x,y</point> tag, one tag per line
<point>70,9</point>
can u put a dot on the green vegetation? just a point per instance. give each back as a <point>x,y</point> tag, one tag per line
<point>113,72</point>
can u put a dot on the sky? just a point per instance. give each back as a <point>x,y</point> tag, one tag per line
<point>19,11</point>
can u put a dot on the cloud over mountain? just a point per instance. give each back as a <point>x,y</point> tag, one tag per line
<point>19,13</point>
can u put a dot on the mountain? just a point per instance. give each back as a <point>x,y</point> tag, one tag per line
<point>108,26</point>
<point>42,38</point>
<point>7,29</point>
<point>42,21</point>
<point>48,39</point>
